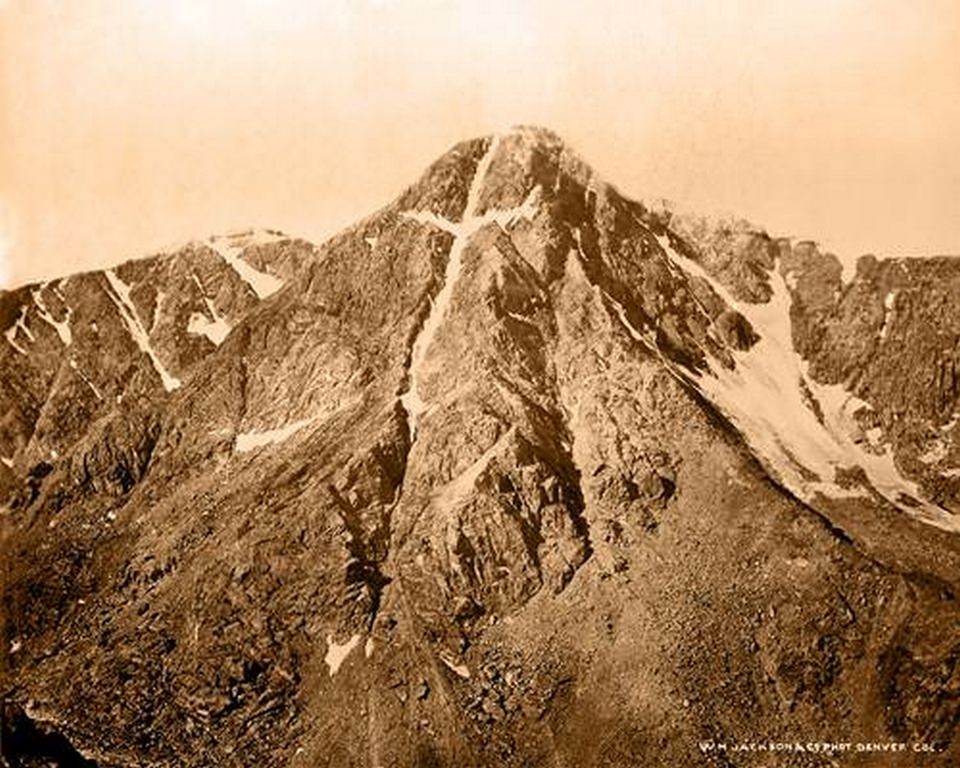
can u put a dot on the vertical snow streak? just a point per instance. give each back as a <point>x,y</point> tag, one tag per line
<point>261,283</point>
<point>83,377</point>
<point>889,312</point>
<point>411,400</point>
<point>20,325</point>
<point>120,294</point>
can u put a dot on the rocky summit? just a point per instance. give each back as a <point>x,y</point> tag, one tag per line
<point>514,472</point>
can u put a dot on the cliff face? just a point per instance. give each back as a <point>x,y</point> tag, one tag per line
<point>515,471</point>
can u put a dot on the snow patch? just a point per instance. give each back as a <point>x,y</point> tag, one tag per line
<point>889,306</point>
<point>215,329</point>
<point>231,249</point>
<point>22,324</point>
<point>503,217</point>
<point>649,340</point>
<point>522,319</point>
<point>157,307</point>
<point>371,242</point>
<point>248,441</point>
<point>337,653</point>
<point>368,647</point>
<point>460,669</point>
<point>120,294</point>
<point>7,462</point>
<point>62,327</point>
<point>848,269</point>
<point>461,488</point>
<point>429,217</point>
<point>19,325</point>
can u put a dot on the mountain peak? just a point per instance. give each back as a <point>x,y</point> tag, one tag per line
<point>511,435</point>
<point>536,135</point>
<point>516,161</point>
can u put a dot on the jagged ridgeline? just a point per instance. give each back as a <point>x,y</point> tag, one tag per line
<point>514,472</point>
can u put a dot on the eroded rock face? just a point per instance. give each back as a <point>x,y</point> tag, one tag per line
<point>516,471</point>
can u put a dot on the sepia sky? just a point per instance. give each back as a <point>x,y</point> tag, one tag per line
<point>130,125</point>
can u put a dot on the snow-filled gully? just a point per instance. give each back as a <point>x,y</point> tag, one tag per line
<point>412,400</point>
<point>119,293</point>
<point>764,396</point>
<point>261,283</point>
<point>471,222</point>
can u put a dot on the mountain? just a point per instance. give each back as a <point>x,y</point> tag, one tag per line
<point>514,472</point>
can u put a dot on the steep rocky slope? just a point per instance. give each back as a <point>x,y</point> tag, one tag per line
<point>515,471</point>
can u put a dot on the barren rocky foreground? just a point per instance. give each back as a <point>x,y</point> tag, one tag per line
<point>514,472</point>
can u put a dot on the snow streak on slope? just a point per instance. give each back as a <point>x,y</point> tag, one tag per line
<point>216,329</point>
<point>889,308</point>
<point>337,653</point>
<point>411,399</point>
<point>157,309</point>
<point>231,248</point>
<point>504,217</point>
<point>458,490</point>
<point>248,441</point>
<point>767,396</point>
<point>62,327</point>
<point>120,294</point>
<point>460,669</point>
<point>86,379</point>
<point>21,326</point>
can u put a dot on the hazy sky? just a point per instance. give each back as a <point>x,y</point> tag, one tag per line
<point>128,125</point>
